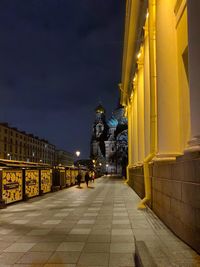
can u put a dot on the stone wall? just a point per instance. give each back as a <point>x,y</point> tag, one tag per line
<point>175,190</point>
<point>136,180</point>
<point>176,196</point>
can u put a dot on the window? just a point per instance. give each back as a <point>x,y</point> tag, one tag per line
<point>16,148</point>
<point>20,147</point>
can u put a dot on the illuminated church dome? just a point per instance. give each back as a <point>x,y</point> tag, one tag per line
<point>112,122</point>
<point>100,109</point>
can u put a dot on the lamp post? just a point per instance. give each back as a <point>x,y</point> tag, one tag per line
<point>78,154</point>
<point>100,168</point>
<point>79,174</point>
<point>94,164</point>
<point>107,168</point>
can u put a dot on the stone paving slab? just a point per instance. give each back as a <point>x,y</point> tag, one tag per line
<point>88,227</point>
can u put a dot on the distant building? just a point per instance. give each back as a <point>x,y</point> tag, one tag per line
<point>64,158</point>
<point>18,145</point>
<point>99,135</point>
<point>109,146</point>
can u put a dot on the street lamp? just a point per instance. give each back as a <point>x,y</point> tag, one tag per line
<point>107,168</point>
<point>94,163</point>
<point>78,153</point>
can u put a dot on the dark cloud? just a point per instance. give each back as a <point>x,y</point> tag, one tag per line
<point>59,58</point>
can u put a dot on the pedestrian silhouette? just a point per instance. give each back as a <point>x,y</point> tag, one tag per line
<point>78,178</point>
<point>87,178</point>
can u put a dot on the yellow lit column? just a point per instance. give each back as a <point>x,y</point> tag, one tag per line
<point>130,145</point>
<point>146,94</point>
<point>129,141</point>
<point>167,82</point>
<point>135,128</point>
<point>194,72</point>
<point>140,106</point>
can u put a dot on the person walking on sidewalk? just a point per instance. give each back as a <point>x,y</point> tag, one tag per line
<point>87,178</point>
<point>92,176</point>
<point>78,178</point>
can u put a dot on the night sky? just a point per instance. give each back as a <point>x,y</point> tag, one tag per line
<point>58,59</point>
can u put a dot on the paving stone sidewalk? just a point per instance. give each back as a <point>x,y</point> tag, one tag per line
<point>86,227</point>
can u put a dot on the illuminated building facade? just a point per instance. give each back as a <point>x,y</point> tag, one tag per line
<point>18,145</point>
<point>64,158</point>
<point>160,92</point>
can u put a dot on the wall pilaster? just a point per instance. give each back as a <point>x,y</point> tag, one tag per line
<point>167,82</point>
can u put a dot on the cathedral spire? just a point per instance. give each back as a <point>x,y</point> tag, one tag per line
<point>100,109</point>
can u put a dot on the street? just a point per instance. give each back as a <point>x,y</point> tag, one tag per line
<point>92,226</point>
